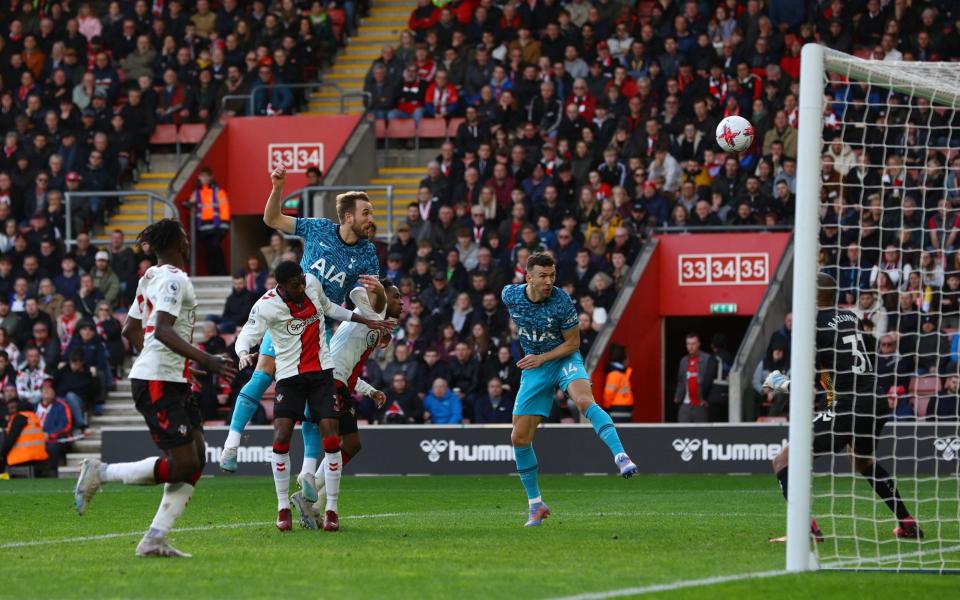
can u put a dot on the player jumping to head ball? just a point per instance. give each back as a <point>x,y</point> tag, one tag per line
<point>336,255</point>
<point>548,327</point>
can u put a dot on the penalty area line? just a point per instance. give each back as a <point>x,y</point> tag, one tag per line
<point>674,585</point>
<point>107,536</point>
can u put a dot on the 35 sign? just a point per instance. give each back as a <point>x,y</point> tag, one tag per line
<point>297,158</point>
<point>723,269</point>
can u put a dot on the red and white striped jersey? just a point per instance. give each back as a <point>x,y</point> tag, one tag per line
<point>168,289</point>
<point>297,332</point>
<point>353,342</point>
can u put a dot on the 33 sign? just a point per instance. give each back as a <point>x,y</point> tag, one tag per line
<point>297,158</point>
<point>723,269</point>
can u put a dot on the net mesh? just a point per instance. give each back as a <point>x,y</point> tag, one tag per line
<point>889,235</point>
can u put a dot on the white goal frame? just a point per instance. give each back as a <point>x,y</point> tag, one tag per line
<point>916,79</point>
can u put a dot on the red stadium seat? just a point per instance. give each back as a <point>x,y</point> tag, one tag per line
<point>192,133</point>
<point>164,134</point>
<point>925,385</point>
<point>381,128</point>
<point>453,125</point>
<point>398,129</point>
<point>432,128</point>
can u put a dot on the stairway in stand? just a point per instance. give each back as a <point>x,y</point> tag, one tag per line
<point>133,215</point>
<point>383,26</point>
<point>405,181</point>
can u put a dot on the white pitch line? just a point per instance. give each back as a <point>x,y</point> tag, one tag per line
<point>674,585</point>
<point>107,536</point>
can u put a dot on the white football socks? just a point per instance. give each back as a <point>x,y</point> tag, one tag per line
<point>309,466</point>
<point>175,499</point>
<point>130,473</point>
<point>331,477</point>
<point>233,440</point>
<point>281,479</point>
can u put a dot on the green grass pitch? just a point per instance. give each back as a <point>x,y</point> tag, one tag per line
<point>428,537</point>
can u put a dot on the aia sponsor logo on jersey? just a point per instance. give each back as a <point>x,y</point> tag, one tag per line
<point>536,336</point>
<point>329,272</point>
<point>296,326</point>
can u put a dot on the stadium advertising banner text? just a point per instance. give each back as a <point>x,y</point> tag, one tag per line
<point>657,449</point>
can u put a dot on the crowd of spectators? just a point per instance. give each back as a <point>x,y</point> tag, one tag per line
<point>588,126</point>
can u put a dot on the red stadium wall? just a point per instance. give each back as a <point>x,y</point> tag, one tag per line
<point>687,274</point>
<point>248,148</point>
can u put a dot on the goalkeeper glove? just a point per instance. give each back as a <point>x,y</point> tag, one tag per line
<point>777,382</point>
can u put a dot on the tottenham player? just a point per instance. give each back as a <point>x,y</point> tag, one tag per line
<point>854,415</point>
<point>335,255</point>
<point>547,324</point>
<point>160,325</point>
<point>351,346</point>
<point>293,313</point>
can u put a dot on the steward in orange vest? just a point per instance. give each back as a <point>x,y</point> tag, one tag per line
<point>617,393</point>
<point>25,441</point>
<point>213,220</point>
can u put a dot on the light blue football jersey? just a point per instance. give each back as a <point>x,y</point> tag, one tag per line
<point>335,263</point>
<point>540,325</point>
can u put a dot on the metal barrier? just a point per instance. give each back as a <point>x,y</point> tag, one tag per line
<point>720,228</point>
<point>169,209</point>
<point>292,86</point>
<point>306,196</point>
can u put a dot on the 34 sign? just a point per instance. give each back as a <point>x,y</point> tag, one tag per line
<point>297,158</point>
<point>723,269</point>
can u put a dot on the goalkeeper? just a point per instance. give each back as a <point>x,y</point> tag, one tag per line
<point>854,415</point>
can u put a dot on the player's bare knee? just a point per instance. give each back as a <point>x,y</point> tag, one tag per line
<point>520,438</point>
<point>780,461</point>
<point>267,364</point>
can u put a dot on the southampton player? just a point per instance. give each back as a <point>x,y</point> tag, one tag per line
<point>293,313</point>
<point>547,325</point>
<point>350,346</point>
<point>335,255</point>
<point>160,325</point>
<point>855,415</point>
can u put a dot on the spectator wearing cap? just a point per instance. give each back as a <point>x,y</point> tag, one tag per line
<point>104,279</point>
<point>439,295</point>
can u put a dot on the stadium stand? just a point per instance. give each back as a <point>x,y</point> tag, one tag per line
<point>575,127</point>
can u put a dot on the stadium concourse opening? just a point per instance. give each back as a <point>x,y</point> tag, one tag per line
<point>710,330</point>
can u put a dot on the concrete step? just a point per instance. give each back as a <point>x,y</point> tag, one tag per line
<point>91,446</point>
<point>68,472</point>
<point>152,185</point>
<point>167,175</point>
<point>75,458</point>
<point>117,421</point>
<point>395,180</point>
<point>390,171</point>
<point>118,409</point>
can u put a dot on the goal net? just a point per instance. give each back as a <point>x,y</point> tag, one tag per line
<point>878,192</point>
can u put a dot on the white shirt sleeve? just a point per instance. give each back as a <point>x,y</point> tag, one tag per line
<point>361,298</point>
<point>135,311</point>
<point>363,387</point>
<point>170,296</point>
<point>254,328</point>
<point>334,311</point>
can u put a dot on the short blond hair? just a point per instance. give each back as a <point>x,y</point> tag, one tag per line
<point>347,203</point>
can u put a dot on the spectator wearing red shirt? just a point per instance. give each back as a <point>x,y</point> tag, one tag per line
<point>423,18</point>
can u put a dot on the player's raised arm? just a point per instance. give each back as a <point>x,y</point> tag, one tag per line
<point>375,297</point>
<point>272,215</point>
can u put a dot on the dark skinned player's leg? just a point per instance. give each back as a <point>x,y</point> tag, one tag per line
<point>350,446</point>
<point>333,463</point>
<point>280,464</point>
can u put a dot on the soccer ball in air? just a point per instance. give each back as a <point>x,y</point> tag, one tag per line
<point>734,134</point>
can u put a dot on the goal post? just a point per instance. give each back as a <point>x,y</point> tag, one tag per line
<point>896,121</point>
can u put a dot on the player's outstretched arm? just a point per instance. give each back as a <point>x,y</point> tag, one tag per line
<point>375,293</point>
<point>250,335</point>
<point>272,215</point>
<point>571,344</point>
<point>371,392</point>
<point>167,336</point>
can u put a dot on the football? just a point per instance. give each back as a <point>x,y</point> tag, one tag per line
<point>734,134</point>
